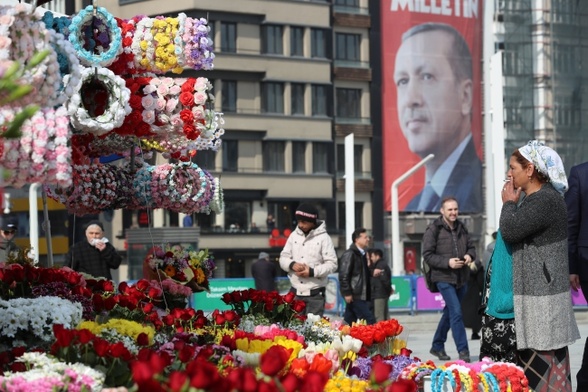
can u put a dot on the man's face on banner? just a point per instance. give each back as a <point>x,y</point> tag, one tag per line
<point>433,107</point>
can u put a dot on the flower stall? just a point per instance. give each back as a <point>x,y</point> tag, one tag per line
<point>76,88</point>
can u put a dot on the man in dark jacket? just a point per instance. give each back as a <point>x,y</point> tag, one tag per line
<point>449,251</point>
<point>577,204</point>
<point>354,279</point>
<point>264,273</point>
<point>381,283</point>
<point>93,255</point>
<point>7,245</point>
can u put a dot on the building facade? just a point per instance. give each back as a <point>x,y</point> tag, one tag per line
<point>293,79</point>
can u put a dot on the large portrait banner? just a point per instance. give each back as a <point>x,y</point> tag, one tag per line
<point>432,93</point>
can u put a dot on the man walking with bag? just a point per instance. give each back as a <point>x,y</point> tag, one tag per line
<point>448,250</point>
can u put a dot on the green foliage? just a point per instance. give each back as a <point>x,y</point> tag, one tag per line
<point>12,90</point>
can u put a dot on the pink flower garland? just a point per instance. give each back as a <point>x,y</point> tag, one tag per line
<point>42,153</point>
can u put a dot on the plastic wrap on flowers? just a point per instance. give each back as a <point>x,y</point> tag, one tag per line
<point>95,36</point>
<point>100,102</point>
<point>42,153</point>
<point>27,36</point>
<point>95,188</point>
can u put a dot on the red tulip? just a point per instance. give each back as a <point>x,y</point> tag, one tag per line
<point>274,360</point>
<point>380,372</point>
<point>402,385</point>
<point>177,381</point>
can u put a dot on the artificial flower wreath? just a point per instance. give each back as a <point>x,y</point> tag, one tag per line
<point>95,36</point>
<point>100,102</point>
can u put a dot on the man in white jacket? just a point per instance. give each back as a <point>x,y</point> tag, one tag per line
<point>309,257</point>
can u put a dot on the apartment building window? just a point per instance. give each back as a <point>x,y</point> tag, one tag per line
<point>348,3</point>
<point>272,39</point>
<point>564,11</point>
<point>347,46</point>
<point>296,41</point>
<point>357,159</point>
<point>206,159</point>
<point>297,98</point>
<point>237,215</point>
<point>320,157</point>
<point>273,156</point>
<point>348,103</point>
<point>212,25</point>
<point>299,157</point>
<point>318,43</point>
<point>230,153</point>
<point>342,215</point>
<point>229,96</point>
<point>512,110</point>
<point>564,59</point>
<point>228,37</point>
<point>319,100</point>
<point>567,111</point>
<point>272,98</point>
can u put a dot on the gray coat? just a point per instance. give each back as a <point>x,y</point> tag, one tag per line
<point>537,231</point>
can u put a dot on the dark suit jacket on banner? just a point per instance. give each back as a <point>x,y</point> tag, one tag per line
<point>465,184</point>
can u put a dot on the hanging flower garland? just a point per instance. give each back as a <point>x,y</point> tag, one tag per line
<point>197,44</point>
<point>6,21</point>
<point>164,31</point>
<point>187,183</point>
<point>217,204</point>
<point>42,153</point>
<point>28,36</point>
<point>58,23</point>
<point>95,36</point>
<point>124,63</point>
<point>142,180</point>
<point>69,67</point>
<point>95,188</point>
<point>134,123</point>
<point>100,102</point>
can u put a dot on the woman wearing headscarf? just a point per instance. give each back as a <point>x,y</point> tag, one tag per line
<point>534,226</point>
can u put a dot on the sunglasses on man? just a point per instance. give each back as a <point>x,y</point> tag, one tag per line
<point>6,232</point>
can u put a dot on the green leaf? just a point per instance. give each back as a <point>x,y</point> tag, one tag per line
<point>17,93</point>
<point>37,58</point>
<point>13,130</point>
<point>11,72</point>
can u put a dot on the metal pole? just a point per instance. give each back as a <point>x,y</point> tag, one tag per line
<point>349,188</point>
<point>397,247</point>
<point>47,228</point>
<point>34,221</point>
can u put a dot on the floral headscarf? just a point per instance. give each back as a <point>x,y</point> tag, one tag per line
<point>547,162</point>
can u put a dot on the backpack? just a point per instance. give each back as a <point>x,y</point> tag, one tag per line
<point>426,269</point>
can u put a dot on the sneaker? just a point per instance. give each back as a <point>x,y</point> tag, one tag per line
<point>441,354</point>
<point>475,336</point>
<point>465,356</point>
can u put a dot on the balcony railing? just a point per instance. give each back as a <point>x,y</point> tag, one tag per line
<point>345,9</point>
<point>353,120</point>
<point>352,64</point>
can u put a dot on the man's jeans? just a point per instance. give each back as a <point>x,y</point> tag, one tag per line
<point>582,375</point>
<point>451,318</point>
<point>358,310</point>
